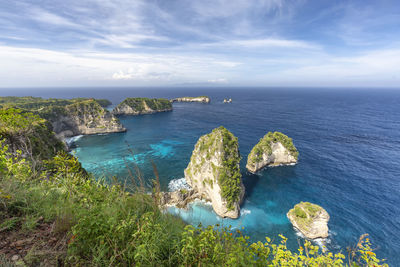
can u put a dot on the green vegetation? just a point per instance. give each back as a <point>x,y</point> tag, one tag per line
<point>60,215</point>
<point>52,109</point>
<point>304,213</point>
<point>229,176</point>
<point>36,104</point>
<point>27,132</point>
<point>139,104</point>
<point>265,146</point>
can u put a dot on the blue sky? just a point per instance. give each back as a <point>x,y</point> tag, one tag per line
<point>200,42</point>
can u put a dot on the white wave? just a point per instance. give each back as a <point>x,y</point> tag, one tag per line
<point>177,184</point>
<point>245,212</point>
<point>73,139</point>
<point>298,233</point>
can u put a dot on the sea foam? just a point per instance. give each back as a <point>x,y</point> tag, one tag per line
<point>177,184</point>
<point>73,139</point>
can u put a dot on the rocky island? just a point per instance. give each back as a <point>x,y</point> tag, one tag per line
<point>141,105</point>
<point>214,172</point>
<point>201,99</point>
<point>82,117</point>
<point>273,149</point>
<point>310,219</point>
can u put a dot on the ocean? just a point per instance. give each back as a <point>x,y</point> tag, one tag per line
<point>349,162</point>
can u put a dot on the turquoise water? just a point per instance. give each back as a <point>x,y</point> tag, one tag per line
<point>349,144</point>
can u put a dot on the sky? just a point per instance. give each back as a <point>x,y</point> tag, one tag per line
<point>296,43</point>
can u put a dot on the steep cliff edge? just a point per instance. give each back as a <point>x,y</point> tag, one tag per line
<point>28,133</point>
<point>272,150</point>
<point>83,117</point>
<point>214,172</point>
<point>310,219</point>
<point>201,99</point>
<point>139,106</point>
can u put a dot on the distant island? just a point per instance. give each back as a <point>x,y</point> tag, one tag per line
<point>201,99</point>
<point>142,105</point>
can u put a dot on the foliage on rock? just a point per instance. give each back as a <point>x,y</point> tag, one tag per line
<point>264,145</point>
<point>28,133</point>
<point>139,104</point>
<point>223,142</point>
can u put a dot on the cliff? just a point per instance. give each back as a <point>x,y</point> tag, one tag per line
<point>28,133</point>
<point>139,106</point>
<point>84,117</point>
<point>272,150</point>
<point>214,172</point>
<point>201,99</point>
<point>310,219</point>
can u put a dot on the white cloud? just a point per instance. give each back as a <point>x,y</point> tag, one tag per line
<point>228,64</point>
<point>44,16</point>
<point>257,43</point>
<point>219,80</point>
<point>36,67</point>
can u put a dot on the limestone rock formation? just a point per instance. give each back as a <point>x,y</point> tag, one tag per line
<point>273,149</point>
<point>84,117</point>
<point>201,99</point>
<point>179,198</point>
<point>310,219</point>
<point>139,106</point>
<point>214,172</point>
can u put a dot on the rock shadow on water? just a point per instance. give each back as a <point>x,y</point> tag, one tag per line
<point>270,177</point>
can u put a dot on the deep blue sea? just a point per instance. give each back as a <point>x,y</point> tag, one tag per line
<point>349,163</point>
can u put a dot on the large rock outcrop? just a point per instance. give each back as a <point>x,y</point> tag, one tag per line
<point>214,172</point>
<point>201,99</point>
<point>139,106</point>
<point>310,219</point>
<point>273,149</point>
<point>84,117</point>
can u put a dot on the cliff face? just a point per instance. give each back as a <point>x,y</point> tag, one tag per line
<point>138,106</point>
<point>272,150</point>
<point>310,219</point>
<point>28,133</point>
<point>201,99</point>
<point>85,117</point>
<point>214,172</point>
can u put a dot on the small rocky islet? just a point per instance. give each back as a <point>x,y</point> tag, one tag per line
<point>310,219</point>
<point>273,149</point>
<point>200,99</point>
